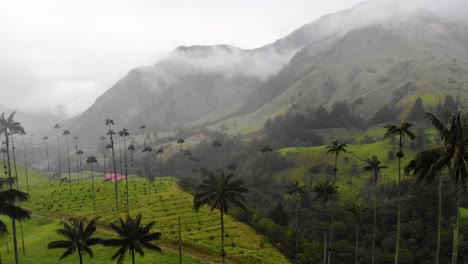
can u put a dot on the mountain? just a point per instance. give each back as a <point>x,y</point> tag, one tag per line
<point>374,54</point>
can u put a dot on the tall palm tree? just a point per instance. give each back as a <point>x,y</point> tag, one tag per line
<point>160,151</point>
<point>216,144</point>
<point>131,147</point>
<point>266,150</point>
<point>147,150</point>
<point>57,127</point>
<point>16,129</point>
<point>103,139</point>
<point>124,133</point>
<point>78,169</point>
<point>325,191</point>
<point>422,166</point>
<point>120,156</point>
<point>109,148</point>
<point>180,141</point>
<point>80,153</point>
<point>25,160</point>
<point>218,191</point>
<point>452,155</point>
<point>402,130</point>
<point>47,154</point>
<point>373,165</point>
<point>109,123</point>
<point>356,210</point>
<point>335,149</point>
<point>66,133</point>
<point>91,160</point>
<point>134,237</point>
<point>296,190</point>
<point>78,238</point>
<point>8,126</point>
<point>143,127</point>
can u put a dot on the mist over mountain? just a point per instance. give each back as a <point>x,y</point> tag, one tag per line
<point>377,53</point>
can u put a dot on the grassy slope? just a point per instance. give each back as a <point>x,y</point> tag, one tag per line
<point>356,155</point>
<point>165,203</point>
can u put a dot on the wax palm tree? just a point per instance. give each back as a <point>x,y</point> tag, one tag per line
<point>131,148</point>
<point>147,150</point>
<point>124,133</point>
<point>325,191</point>
<point>266,150</point>
<point>356,211</point>
<point>216,144</point>
<point>422,166</point>
<point>373,165</point>
<point>452,155</point>
<point>335,148</point>
<point>180,141</point>
<point>159,152</point>
<point>47,154</point>
<point>8,126</point>
<point>78,238</point>
<point>22,133</point>
<point>57,127</point>
<point>297,191</point>
<point>103,139</point>
<point>80,153</point>
<point>143,128</point>
<point>8,198</point>
<point>402,130</point>
<point>120,155</point>
<point>91,160</point>
<point>109,148</point>
<point>66,133</point>
<point>77,158</point>
<point>218,191</point>
<point>134,237</point>
<point>109,123</point>
<point>17,130</point>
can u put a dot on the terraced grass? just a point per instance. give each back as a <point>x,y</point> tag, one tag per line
<point>164,203</point>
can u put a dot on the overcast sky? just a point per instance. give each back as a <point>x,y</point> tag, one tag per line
<point>60,55</point>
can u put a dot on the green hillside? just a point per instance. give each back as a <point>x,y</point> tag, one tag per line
<point>52,202</point>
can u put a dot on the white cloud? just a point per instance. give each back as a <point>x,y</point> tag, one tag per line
<point>56,51</point>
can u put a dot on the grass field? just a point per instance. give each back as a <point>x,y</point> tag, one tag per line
<point>52,202</point>
<point>349,183</point>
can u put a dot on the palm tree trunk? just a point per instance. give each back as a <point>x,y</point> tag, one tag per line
<point>133,256</point>
<point>77,161</point>
<point>455,226</point>
<point>333,210</point>
<point>297,226</point>
<point>439,220</point>
<point>59,158</point>
<point>81,257</point>
<point>17,187</point>
<point>26,166</point>
<point>13,221</point>
<point>357,245</point>
<point>325,247</point>
<point>104,157</point>
<point>223,254</point>
<point>92,183</point>
<point>48,162</point>
<point>69,169</point>
<point>374,233</point>
<point>116,187</point>
<point>126,174</point>
<point>397,246</point>
<point>81,169</point>
<point>120,157</point>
